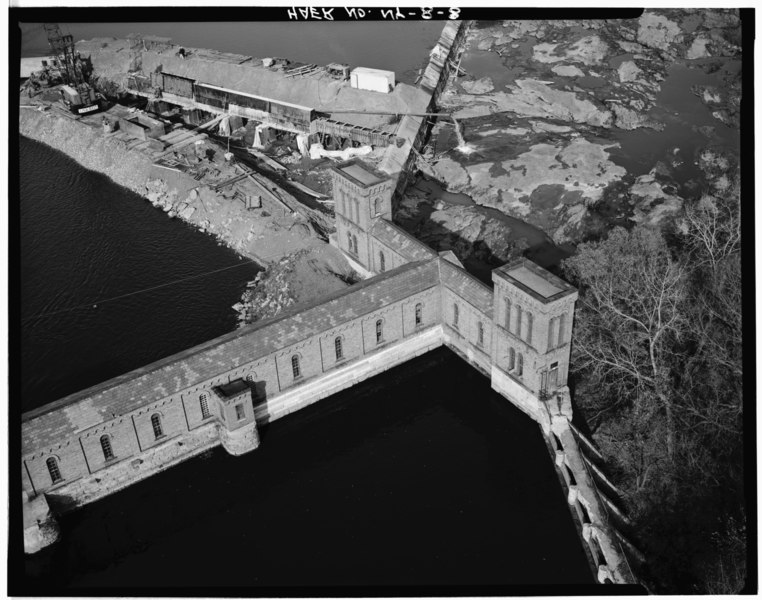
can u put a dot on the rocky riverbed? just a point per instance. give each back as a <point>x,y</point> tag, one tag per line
<point>574,125</point>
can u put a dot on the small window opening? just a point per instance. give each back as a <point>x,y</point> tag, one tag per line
<point>530,322</point>
<point>418,314</point>
<point>519,314</point>
<point>337,343</point>
<point>240,412</point>
<point>379,331</point>
<point>158,431</point>
<point>296,368</point>
<point>108,452</point>
<point>204,401</point>
<point>55,473</point>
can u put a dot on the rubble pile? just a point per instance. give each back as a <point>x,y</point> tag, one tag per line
<point>269,293</point>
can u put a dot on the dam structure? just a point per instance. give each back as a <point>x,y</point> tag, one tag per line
<point>517,332</point>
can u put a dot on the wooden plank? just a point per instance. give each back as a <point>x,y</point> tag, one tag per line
<point>191,140</point>
<point>259,185</point>
<point>228,182</point>
<point>266,159</point>
<point>307,190</point>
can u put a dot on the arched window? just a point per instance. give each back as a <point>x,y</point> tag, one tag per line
<point>296,368</point>
<point>349,242</point>
<point>511,359</point>
<point>338,346</point>
<point>480,339</point>
<point>379,205</point>
<point>203,400</point>
<point>381,261</point>
<point>551,337</point>
<point>55,473</point>
<point>520,365</point>
<point>251,378</point>
<point>419,314</point>
<point>561,332</point>
<point>156,424</point>
<point>379,331</point>
<point>530,322</point>
<point>455,315</point>
<point>518,320</point>
<point>507,314</point>
<point>108,453</point>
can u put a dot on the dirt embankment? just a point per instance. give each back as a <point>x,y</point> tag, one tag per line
<point>545,106</point>
<point>298,262</point>
<point>88,147</point>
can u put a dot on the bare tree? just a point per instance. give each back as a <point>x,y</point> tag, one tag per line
<point>628,315</point>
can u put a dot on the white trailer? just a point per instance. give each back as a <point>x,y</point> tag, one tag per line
<point>375,80</point>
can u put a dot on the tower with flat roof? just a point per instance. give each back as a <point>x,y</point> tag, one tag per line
<point>236,424</point>
<point>361,195</point>
<point>533,313</point>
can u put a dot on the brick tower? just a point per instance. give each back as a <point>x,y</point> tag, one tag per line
<point>533,314</point>
<point>361,194</point>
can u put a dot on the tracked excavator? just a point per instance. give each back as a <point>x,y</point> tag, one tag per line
<point>73,72</point>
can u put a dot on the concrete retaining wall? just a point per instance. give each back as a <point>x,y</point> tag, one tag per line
<point>398,161</point>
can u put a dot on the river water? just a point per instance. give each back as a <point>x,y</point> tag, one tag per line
<point>402,47</point>
<point>85,240</point>
<point>421,476</point>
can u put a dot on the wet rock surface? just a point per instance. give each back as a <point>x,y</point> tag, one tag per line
<point>565,122</point>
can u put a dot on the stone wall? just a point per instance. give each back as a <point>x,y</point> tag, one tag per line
<point>292,352</point>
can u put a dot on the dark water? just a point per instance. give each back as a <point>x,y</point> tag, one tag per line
<point>420,476</point>
<point>85,239</point>
<point>540,247</point>
<point>689,125</point>
<point>402,47</point>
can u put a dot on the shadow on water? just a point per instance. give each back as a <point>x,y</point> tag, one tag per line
<point>538,246</point>
<point>420,476</point>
